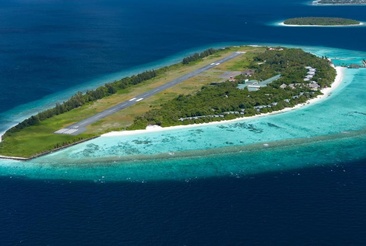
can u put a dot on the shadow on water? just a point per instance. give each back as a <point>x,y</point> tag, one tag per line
<point>237,161</point>
<point>302,207</point>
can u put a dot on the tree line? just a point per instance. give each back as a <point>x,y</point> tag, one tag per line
<point>198,56</point>
<point>341,2</point>
<point>80,98</point>
<point>322,21</point>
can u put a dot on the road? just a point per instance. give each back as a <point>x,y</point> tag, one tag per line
<point>80,126</point>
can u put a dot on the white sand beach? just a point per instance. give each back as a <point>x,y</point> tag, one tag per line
<point>326,93</point>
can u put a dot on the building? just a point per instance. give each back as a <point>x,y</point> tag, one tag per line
<point>254,87</point>
<point>314,85</point>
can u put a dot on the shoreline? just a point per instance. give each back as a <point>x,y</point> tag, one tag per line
<point>14,158</point>
<point>158,128</point>
<point>361,24</point>
<point>326,93</point>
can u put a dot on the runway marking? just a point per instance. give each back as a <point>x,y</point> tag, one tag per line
<point>78,128</point>
<point>66,131</point>
<point>71,131</point>
<point>61,131</point>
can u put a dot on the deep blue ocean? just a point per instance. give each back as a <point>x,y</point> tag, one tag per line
<point>50,49</point>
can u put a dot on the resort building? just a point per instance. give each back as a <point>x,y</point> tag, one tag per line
<point>255,85</point>
<point>310,74</point>
<point>314,85</point>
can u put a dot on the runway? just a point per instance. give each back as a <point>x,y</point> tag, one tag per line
<point>80,126</point>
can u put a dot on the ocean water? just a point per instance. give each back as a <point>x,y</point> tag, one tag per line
<point>255,143</point>
<point>50,49</point>
<point>295,178</point>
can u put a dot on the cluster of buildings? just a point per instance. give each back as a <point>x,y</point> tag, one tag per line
<point>255,85</point>
<point>356,66</point>
<point>287,100</point>
<point>259,107</point>
<point>241,112</point>
<point>309,76</point>
<point>279,49</point>
<point>313,85</point>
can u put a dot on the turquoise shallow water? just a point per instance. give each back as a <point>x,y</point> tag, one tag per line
<point>235,161</point>
<point>307,189</point>
<point>330,132</point>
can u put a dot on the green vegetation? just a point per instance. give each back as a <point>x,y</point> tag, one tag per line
<point>36,140</point>
<point>345,2</point>
<point>80,99</point>
<point>321,21</point>
<point>225,101</point>
<point>198,56</point>
<point>36,134</point>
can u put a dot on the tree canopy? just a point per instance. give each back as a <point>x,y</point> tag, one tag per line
<point>321,21</point>
<point>226,101</point>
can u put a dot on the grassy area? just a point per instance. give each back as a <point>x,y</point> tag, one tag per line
<point>37,140</point>
<point>242,63</point>
<point>41,138</point>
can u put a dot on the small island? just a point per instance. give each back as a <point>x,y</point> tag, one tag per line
<point>339,2</point>
<point>213,85</point>
<point>321,21</point>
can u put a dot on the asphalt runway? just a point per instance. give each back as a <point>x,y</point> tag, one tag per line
<point>80,126</point>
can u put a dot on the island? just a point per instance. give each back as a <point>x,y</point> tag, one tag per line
<point>339,2</point>
<point>212,85</point>
<point>321,21</point>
